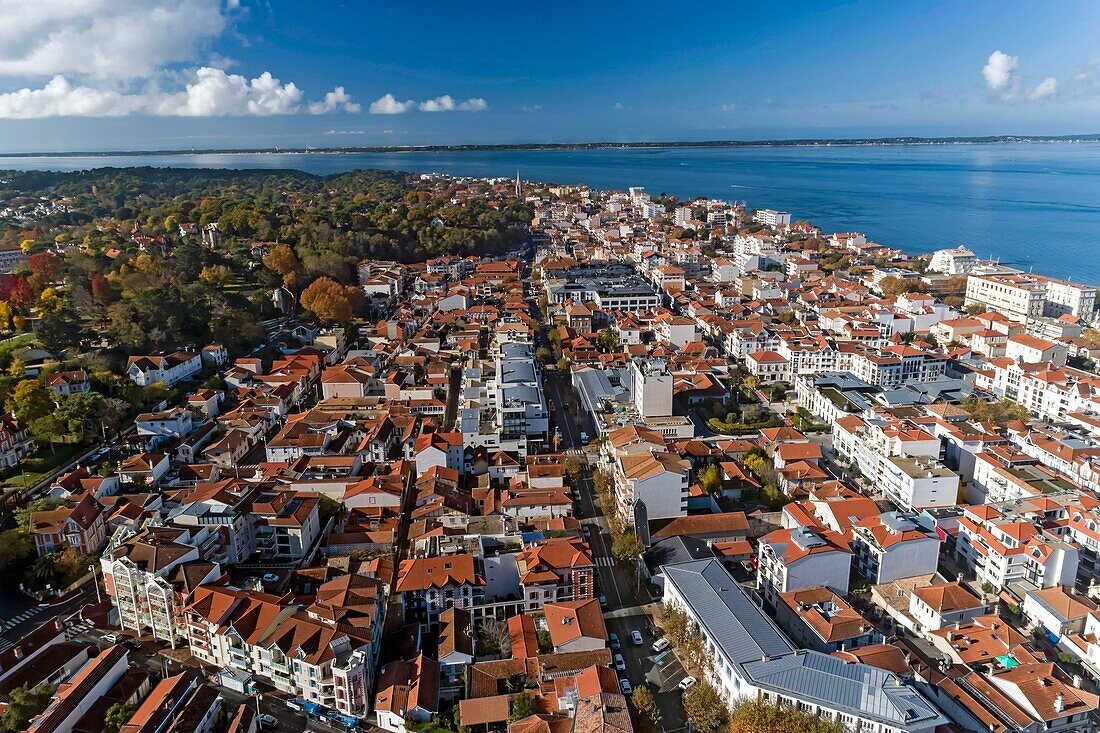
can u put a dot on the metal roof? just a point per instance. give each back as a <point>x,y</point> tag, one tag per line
<point>852,688</point>
<point>731,619</point>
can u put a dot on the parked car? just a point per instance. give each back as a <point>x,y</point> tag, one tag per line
<point>267,722</point>
<point>613,639</point>
<point>110,638</point>
<point>620,663</point>
<point>624,685</point>
<point>687,683</point>
<point>270,578</point>
<point>603,601</point>
<point>660,645</point>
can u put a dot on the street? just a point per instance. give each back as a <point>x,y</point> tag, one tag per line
<point>626,598</point>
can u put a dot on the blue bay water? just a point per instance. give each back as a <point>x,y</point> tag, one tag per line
<point>1029,205</point>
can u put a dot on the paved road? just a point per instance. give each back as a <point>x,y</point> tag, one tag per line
<point>626,597</point>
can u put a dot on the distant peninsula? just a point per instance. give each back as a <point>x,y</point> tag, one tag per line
<point>607,145</point>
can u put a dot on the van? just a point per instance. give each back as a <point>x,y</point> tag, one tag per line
<point>660,645</point>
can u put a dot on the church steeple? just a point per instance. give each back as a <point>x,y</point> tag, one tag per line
<point>519,186</point>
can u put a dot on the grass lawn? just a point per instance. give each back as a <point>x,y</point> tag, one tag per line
<point>43,463</point>
<point>16,342</point>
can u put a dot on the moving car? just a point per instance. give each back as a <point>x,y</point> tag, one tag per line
<point>270,578</point>
<point>687,683</point>
<point>267,722</point>
<point>620,663</point>
<point>584,437</point>
<point>110,638</point>
<point>603,601</point>
<point>636,637</point>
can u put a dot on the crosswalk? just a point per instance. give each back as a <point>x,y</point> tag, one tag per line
<point>28,614</point>
<point>605,562</point>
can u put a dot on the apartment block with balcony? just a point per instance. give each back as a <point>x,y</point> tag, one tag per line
<point>151,576</point>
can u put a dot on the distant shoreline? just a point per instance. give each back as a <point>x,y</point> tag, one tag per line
<point>638,145</point>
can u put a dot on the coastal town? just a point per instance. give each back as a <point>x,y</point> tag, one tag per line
<point>591,461</point>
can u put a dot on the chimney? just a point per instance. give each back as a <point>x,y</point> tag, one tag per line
<point>1059,703</point>
<point>1077,681</point>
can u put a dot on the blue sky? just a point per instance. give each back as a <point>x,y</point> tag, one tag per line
<point>176,74</point>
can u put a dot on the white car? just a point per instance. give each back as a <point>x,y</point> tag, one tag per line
<point>620,663</point>
<point>266,721</point>
<point>110,638</point>
<point>636,637</point>
<point>624,685</point>
<point>687,683</point>
<point>270,578</point>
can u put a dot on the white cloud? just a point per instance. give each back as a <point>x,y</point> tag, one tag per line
<point>1043,90</point>
<point>388,105</point>
<point>210,93</point>
<point>59,98</point>
<point>729,107</point>
<point>998,70</point>
<point>336,100</point>
<point>119,57</point>
<point>474,104</point>
<point>105,39</point>
<point>440,104</point>
<point>618,105</point>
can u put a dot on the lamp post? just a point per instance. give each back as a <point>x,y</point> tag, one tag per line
<point>95,579</point>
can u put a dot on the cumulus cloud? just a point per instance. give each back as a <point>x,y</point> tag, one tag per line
<point>729,107</point>
<point>998,70</point>
<point>1043,90</point>
<point>1002,76</point>
<point>105,39</point>
<point>447,103</point>
<point>111,58</point>
<point>210,93</point>
<point>388,105</point>
<point>336,100</point>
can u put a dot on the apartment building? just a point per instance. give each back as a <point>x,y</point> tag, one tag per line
<point>659,481</point>
<point>892,546</point>
<point>794,559</point>
<point>1024,296</point>
<point>751,658</point>
<point>300,651</point>
<point>151,576</point>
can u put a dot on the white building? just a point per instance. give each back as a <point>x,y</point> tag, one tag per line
<point>772,218</point>
<point>751,658</point>
<point>957,261</point>
<point>652,387</point>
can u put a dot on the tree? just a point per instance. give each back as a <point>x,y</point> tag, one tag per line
<point>572,469</point>
<point>24,704</point>
<point>523,706</point>
<point>30,400</point>
<point>117,716</point>
<point>81,412</point>
<point>493,636</point>
<point>705,708</point>
<point>216,276</point>
<point>544,355</point>
<point>284,261</point>
<point>711,478</point>
<point>1000,412</point>
<point>649,715</point>
<point>608,340</point>
<point>626,547</point>
<point>675,623</point>
<point>328,299</point>
<point>893,286</point>
<point>60,329</point>
<point>756,715</point>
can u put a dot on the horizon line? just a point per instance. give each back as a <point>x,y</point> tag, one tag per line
<point>899,140</point>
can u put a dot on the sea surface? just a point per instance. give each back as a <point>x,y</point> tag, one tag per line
<point>1031,205</point>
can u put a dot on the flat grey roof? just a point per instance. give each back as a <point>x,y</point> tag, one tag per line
<point>849,687</point>
<point>732,620</point>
